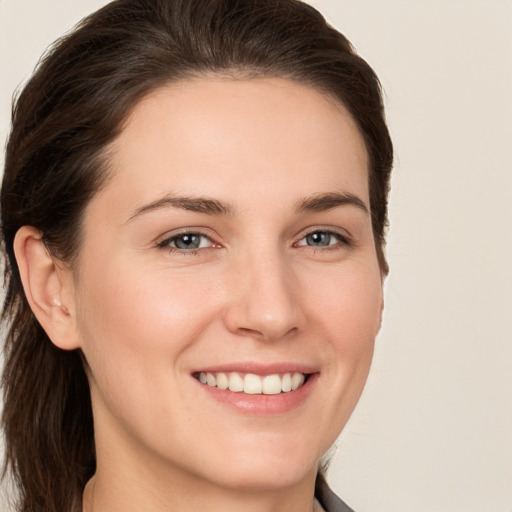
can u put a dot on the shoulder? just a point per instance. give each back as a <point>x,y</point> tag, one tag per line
<point>329,501</point>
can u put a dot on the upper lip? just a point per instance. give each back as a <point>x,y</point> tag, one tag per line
<point>258,368</point>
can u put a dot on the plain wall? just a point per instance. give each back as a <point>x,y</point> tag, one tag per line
<point>433,432</point>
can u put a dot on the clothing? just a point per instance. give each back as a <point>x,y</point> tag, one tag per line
<point>327,499</point>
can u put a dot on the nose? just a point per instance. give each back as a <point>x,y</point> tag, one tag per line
<point>264,300</point>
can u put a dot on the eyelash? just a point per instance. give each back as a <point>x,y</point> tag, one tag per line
<point>342,240</point>
<point>165,244</point>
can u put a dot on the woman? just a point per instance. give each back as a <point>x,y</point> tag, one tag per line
<point>193,216</point>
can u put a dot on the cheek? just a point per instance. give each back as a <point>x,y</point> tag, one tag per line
<point>130,306</point>
<point>349,313</point>
<point>133,323</point>
<point>348,304</point>
<point>135,328</point>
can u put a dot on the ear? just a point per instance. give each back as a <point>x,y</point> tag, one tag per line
<point>49,288</point>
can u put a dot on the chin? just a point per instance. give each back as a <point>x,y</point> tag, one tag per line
<point>267,470</point>
<point>267,479</point>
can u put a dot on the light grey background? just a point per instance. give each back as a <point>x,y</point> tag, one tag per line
<point>433,432</point>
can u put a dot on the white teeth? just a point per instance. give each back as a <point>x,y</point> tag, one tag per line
<point>297,380</point>
<point>236,383</point>
<point>286,383</point>
<point>271,385</point>
<point>222,381</point>
<point>253,384</point>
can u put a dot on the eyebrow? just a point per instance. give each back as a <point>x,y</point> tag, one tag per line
<point>315,203</point>
<point>323,202</point>
<point>193,204</point>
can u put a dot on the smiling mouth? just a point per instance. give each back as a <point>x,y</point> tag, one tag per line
<point>252,384</point>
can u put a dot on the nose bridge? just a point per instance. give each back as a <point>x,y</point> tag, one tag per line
<point>264,297</point>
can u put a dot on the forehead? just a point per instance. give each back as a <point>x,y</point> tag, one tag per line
<point>208,135</point>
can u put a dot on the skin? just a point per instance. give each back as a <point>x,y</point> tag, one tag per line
<point>148,315</point>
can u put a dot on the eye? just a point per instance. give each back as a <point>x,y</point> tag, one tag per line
<point>322,238</point>
<point>186,242</point>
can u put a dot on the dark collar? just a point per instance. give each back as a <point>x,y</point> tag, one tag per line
<point>329,501</point>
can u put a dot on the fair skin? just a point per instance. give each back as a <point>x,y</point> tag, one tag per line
<point>233,237</point>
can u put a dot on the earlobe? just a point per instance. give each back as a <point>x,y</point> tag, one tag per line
<point>48,288</point>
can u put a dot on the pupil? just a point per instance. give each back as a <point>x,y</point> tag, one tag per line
<point>188,241</point>
<point>319,238</point>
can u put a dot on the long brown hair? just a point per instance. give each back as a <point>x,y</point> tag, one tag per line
<point>63,121</point>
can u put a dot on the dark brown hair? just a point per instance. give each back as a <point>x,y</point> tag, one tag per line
<point>64,119</point>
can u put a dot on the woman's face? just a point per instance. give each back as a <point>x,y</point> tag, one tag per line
<point>233,243</point>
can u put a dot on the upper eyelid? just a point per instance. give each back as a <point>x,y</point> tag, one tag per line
<point>342,240</point>
<point>325,229</point>
<point>193,230</point>
<point>163,240</point>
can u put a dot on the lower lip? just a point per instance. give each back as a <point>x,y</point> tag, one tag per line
<point>262,404</point>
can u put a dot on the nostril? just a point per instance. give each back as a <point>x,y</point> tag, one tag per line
<point>266,333</point>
